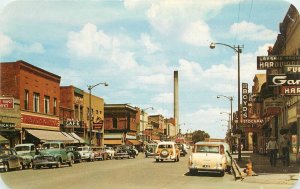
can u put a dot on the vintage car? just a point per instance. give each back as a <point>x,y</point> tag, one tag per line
<point>27,152</point>
<point>208,157</point>
<point>9,159</point>
<point>52,154</point>
<point>99,153</point>
<point>110,151</point>
<point>167,151</point>
<point>76,155</point>
<point>150,150</point>
<point>86,153</point>
<point>124,151</point>
<point>182,149</point>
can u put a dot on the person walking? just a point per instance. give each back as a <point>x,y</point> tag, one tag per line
<point>285,149</point>
<point>272,148</point>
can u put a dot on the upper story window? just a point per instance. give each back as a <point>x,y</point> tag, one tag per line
<point>115,122</point>
<point>54,106</point>
<point>36,102</point>
<point>46,104</point>
<point>26,99</point>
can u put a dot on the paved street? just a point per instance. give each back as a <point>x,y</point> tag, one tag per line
<point>127,173</point>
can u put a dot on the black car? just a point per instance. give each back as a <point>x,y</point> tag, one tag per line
<point>76,154</point>
<point>124,151</point>
<point>9,159</point>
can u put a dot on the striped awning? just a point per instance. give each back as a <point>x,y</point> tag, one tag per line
<point>133,142</point>
<point>113,142</point>
<point>46,136</point>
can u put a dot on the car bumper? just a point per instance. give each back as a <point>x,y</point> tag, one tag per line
<point>44,162</point>
<point>206,169</point>
<point>165,158</point>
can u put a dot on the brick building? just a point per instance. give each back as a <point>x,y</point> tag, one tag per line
<point>39,94</point>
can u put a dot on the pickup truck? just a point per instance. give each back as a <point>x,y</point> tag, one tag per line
<point>52,154</point>
<point>27,152</point>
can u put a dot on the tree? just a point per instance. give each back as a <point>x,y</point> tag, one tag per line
<point>199,136</point>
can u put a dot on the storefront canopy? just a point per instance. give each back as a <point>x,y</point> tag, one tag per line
<point>77,138</point>
<point>113,142</point>
<point>133,142</point>
<point>3,140</point>
<point>46,136</point>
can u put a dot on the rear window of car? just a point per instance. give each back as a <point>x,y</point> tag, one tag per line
<point>165,146</point>
<point>207,149</point>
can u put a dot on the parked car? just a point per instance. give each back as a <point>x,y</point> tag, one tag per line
<point>182,149</point>
<point>124,151</point>
<point>110,151</point>
<point>86,153</point>
<point>208,157</point>
<point>167,150</point>
<point>99,153</point>
<point>9,159</point>
<point>150,150</point>
<point>52,154</point>
<point>76,155</point>
<point>27,152</point>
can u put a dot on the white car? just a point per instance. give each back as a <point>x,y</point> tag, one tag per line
<point>208,157</point>
<point>110,151</point>
<point>86,153</point>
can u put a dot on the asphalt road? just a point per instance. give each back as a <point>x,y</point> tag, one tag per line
<point>138,173</point>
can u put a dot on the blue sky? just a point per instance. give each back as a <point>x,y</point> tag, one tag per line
<point>136,45</point>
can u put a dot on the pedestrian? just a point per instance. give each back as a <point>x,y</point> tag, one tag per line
<point>272,149</point>
<point>285,149</point>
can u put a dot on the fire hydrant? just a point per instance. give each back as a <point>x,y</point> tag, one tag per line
<point>249,167</point>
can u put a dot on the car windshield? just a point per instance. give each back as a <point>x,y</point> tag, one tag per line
<point>207,149</point>
<point>22,148</point>
<point>50,146</point>
<point>82,149</point>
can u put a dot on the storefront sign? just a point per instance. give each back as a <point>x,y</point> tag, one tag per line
<point>253,121</point>
<point>7,125</point>
<point>35,120</point>
<point>72,123</point>
<point>290,90</point>
<point>283,80</point>
<point>245,98</point>
<point>267,62</point>
<point>7,103</point>
<point>291,69</point>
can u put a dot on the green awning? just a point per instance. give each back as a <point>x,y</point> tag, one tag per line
<point>3,140</point>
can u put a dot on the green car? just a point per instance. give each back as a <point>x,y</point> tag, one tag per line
<point>52,154</point>
<point>27,152</point>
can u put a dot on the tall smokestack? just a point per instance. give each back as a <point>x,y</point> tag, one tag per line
<point>176,104</point>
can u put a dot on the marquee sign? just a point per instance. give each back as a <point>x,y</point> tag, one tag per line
<point>268,62</point>
<point>43,121</point>
<point>283,80</point>
<point>290,90</point>
<point>253,121</point>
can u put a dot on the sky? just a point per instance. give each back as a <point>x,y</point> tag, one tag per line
<point>136,45</point>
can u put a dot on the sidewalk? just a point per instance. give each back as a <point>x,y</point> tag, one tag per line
<point>265,173</point>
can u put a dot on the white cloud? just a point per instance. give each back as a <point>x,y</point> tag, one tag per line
<point>32,48</point>
<point>6,45</point>
<point>197,33</point>
<point>166,98</point>
<point>150,46</point>
<point>251,31</point>
<point>90,42</point>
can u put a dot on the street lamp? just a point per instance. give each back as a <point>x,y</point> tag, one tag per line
<point>230,98</point>
<point>238,50</point>
<point>90,87</point>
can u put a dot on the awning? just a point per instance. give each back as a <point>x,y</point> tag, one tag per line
<point>113,142</point>
<point>134,142</point>
<point>3,140</point>
<point>76,137</point>
<point>46,136</point>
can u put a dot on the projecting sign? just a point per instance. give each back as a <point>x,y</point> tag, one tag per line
<point>291,69</point>
<point>267,62</point>
<point>245,98</point>
<point>7,103</point>
<point>283,80</point>
<point>290,90</point>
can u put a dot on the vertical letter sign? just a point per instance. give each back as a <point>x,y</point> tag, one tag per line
<point>245,98</point>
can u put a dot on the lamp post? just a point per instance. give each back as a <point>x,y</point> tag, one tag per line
<point>143,120</point>
<point>238,50</point>
<point>90,87</point>
<point>230,98</point>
